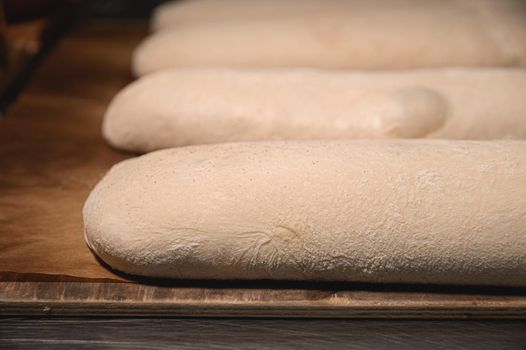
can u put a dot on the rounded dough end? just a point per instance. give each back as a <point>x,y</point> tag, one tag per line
<point>146,58</point>
<point>404,113</point>
<point>114,127</point>
<point>124,121</point>
<point>401,211</point>
<point>162,16</point>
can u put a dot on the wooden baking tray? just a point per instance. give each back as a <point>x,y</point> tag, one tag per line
<point>52,154</point>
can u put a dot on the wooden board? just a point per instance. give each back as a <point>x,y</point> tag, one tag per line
<point>254,299</point>
<point>51,155</point>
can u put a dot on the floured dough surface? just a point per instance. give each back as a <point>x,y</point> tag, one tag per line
<point>195,106</point>
<point>362,34</point>
<point>405,211</point>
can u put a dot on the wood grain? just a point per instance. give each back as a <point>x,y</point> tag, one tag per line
<point>256,299</point>
<point>150,334</point>
<point>52,154</point>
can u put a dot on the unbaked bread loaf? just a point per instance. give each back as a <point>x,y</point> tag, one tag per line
<point>378,34</point>
<point>175,13</point>
<point>194,106</point>
<point>404,211</point>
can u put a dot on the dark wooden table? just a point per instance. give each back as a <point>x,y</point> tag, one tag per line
<point>149,334</point>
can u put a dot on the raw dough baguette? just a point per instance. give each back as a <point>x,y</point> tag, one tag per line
<point>194,106</point>
<point>415,211</point>
<point>368,35</point>
<point>173,13</point>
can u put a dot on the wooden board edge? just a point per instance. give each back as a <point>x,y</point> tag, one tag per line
<point>124,299</point>
<point>251,310</point>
